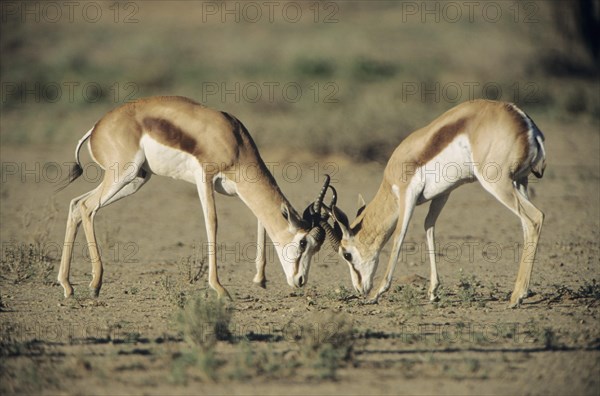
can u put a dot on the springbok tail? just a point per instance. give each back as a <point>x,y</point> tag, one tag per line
<point>538,165</point>
<point>76,170</point>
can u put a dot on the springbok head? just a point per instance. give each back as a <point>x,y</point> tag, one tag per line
<point>307,237</point>
<point>362,258</point>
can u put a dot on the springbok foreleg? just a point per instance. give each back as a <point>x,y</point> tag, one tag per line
<point>261,261</point>
<point>405,213</point>
<point>207,198</point>
<point>435,208</point>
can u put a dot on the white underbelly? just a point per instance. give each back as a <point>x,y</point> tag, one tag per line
<point>449,169</point>
<point>167,161</point>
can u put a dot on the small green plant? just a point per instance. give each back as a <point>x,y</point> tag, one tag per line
<point>467,286</point>
<point>409,297</point>
<point>549,338</point>
<point>311,67</point>
<point>251,363</point>
<point>589,290</point>
<point>203,364</point>
<point>326,343</point>
<point>192,268</point>
<point>494,291</point>
<point>442,297</point>
<point>21,262</point>
<point>203,321</point>
<point>244,365</point>
<point>174,293</point>
<point>340,293</point>
<point>368,69</point>
<point>24,261</point>
<point>544,335</point>
<point>473,365</point>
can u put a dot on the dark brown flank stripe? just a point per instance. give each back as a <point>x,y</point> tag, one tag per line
<point>169,134</point>
<point>440,140</point>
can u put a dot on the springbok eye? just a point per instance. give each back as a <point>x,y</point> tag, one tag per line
<point>348,257</point>
<point>302,244</point>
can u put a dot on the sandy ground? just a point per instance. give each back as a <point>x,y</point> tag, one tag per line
<point>125,341</point>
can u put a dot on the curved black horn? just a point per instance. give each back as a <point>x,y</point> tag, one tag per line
<point>334,197</point>
<point>319,201</point>
<point>312,213</point>
<point>334,235</point>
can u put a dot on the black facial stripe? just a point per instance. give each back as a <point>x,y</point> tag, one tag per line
<point>297,265</point>
<point>350,261</point>
<point>357,274</point>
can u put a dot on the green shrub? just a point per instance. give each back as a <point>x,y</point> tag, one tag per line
<point>326,343</point>
<point>204,321</point>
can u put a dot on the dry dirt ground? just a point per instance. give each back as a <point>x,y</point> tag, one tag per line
<point>127,340</point>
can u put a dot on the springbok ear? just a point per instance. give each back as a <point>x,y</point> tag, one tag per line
<point>338,230</point>
<point>294,221</point>
<point>361,205</point>
<point>341,221</point>
<point>308,213</point>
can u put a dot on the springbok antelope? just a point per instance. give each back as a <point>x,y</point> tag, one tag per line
<point>462,142</point>
<point>179,138</point>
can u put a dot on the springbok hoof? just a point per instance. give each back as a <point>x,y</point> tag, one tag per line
<point>261,283</point>
<point>68,293</point>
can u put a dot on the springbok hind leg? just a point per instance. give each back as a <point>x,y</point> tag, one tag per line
<point>532,219</point>
<point>108,192</point>
<point>73,222</point>
<point>513,195</point>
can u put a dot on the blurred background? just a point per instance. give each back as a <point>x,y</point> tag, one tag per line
<point>350,78</point>
<point>322,86</point>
